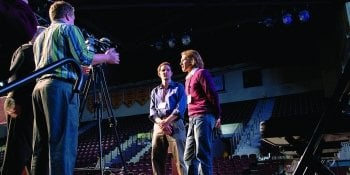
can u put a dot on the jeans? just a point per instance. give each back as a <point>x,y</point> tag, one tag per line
<point>198,149</point>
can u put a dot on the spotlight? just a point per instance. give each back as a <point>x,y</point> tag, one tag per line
<point>267,22</point>
<point>304,16</point>
<point>287,18</point>
<point>171,42</point>
<point>158,45</point>
<point>186,39</point>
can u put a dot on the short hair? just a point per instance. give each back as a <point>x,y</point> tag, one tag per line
<point>59,9</point>
<point>162,64</point>
<point>194,57</point>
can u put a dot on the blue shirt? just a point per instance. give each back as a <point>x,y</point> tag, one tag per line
<point>173,98</point>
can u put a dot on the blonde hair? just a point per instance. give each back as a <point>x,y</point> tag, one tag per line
<point>194,57</point>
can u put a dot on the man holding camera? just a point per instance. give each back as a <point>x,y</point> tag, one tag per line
<point>56,106</point>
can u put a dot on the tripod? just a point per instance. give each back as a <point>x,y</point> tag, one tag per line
<point>101,99</point>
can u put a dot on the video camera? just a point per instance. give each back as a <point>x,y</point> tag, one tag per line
<point>99,45</point>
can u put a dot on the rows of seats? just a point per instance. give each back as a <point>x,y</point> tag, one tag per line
<point>88,149</point>
<point>233,112</point>
<point>234,165</point>
<point>112,135</point>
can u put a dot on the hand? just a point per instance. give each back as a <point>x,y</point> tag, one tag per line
<point>113,56</point>
<point>11,108</point>
<point>218,123</point>
<point>162,123</point>
<point>86,69</point>
<point>167,129</point>
<point>164,126</point>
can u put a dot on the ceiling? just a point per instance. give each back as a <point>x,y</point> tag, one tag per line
<point>225,32</point>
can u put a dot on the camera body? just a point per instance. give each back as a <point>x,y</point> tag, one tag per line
<point>98,45</point>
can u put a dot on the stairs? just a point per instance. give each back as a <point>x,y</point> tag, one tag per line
<point>250,135</point>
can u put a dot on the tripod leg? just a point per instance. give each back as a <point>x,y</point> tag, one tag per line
<point>93,76</point>
<point>100,139</point>
<point>85,93</point>
<point>108,102</point>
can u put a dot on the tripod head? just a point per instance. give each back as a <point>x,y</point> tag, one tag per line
<point>96,86</point>
<point>99,45</point>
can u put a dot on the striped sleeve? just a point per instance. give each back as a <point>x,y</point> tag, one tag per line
<point>77,45</point>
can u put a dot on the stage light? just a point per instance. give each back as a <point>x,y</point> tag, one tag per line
<point>287,18</point>
<point>304,16</point>
<point>158,45</point>
<point>186,39</point>
<point>267,22</point>
<point>171,42</point>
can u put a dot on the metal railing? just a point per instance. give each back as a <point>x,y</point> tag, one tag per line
<point>37,73</point>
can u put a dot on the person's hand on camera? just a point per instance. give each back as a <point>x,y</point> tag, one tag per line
<point>113,56</point>
<point>86,69</point>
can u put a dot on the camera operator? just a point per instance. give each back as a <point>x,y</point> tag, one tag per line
<point>56,106</point>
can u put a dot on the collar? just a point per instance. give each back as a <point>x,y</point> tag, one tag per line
<point>190,74</point>
<point>58,21</point>
<point>171,83</point>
